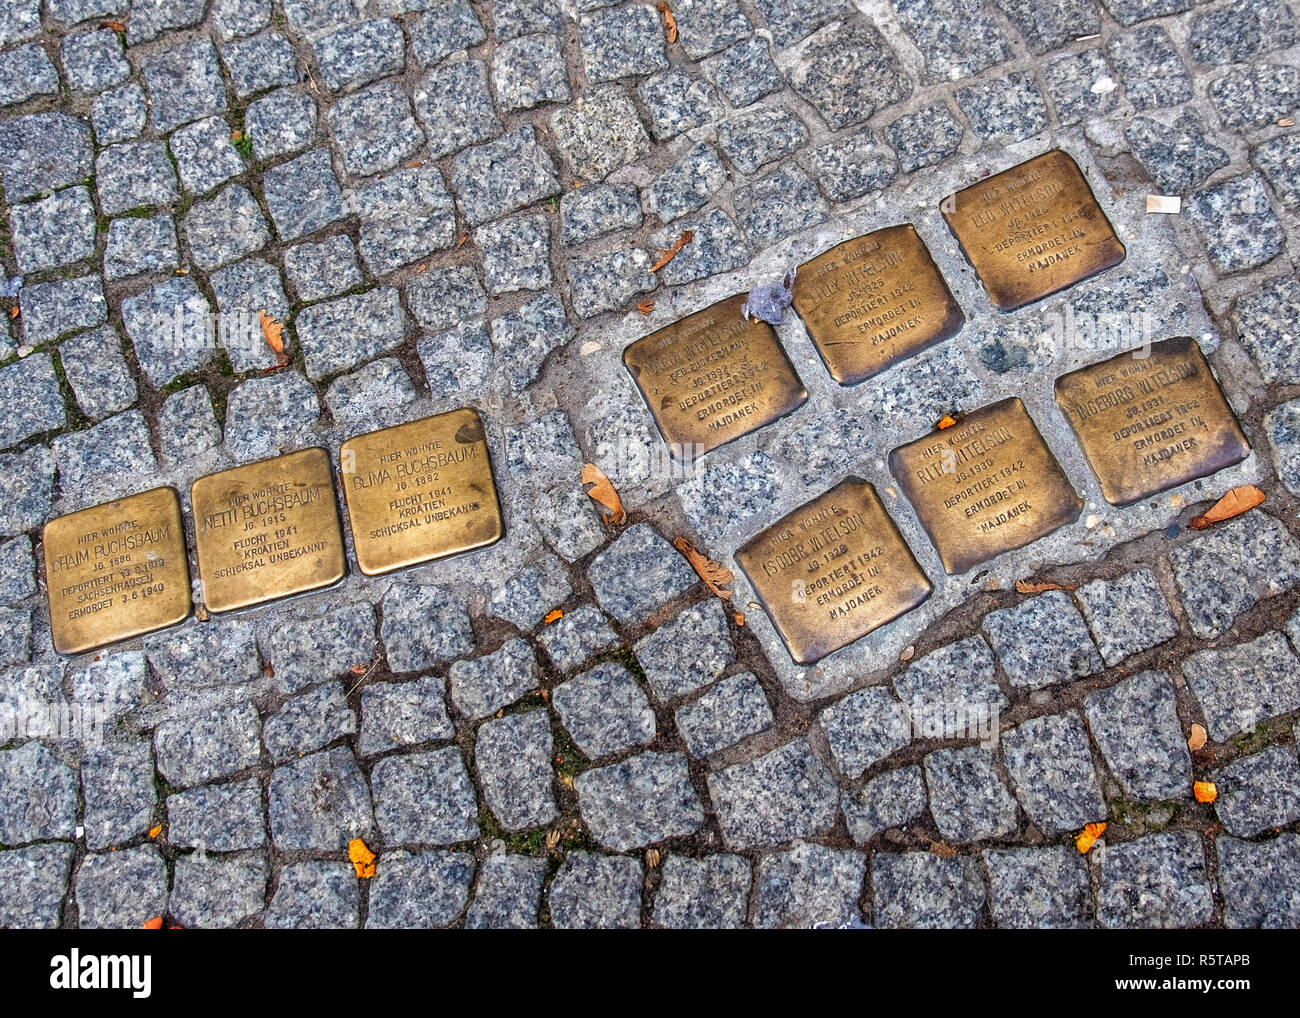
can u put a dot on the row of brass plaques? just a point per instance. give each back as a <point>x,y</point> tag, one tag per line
<point>267,530</point>
<point>837,568</point>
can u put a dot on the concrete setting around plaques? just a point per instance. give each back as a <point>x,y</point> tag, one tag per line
<point>459,204</point>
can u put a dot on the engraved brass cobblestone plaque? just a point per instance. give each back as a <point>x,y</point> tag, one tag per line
<point>1151,423</point>
<point>1032,230</point>
<point>833,571</point>
<point>712,377</point>
<point>420,491</point>
<point>873,301</point>
<point>986,485</point>
<point>267,530</point>
<point>116,571</point>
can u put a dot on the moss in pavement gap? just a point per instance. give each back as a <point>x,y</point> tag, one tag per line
<point>1266,734</point>
<point>518,842</point>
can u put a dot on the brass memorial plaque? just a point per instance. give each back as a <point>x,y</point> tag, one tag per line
<point>420,491</point>
<point>116,571</point>
<point>833,571</point>
<point>712,377</point>
<point>1151,423</point>
<point>873,301</point>
<point>266,530</point>
<point>1032,230</point>
<point>986,485</point>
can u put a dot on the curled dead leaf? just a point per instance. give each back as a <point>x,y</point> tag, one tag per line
<point>670,23</point>
<point>268,670</point>
<point>646,307</point>
<point>1087,837</point>
<point>358,669</point>
<point>1205,791</point>
<point>1234,503</point>
<point>362,859</point>
<point>602,491</point>
<point>552,840</point>
<point>460,241</point>
<point>740,618</point>
<point>946,421</point>
<point>652,857</point>
<point>668,254</point>
<point>273,333</point>
<point>909,652</point>
<point>553,616</point>
<point>1037,587</point>
<point>1197,739</point>
<point>715,575</point>
<point>155,831</point>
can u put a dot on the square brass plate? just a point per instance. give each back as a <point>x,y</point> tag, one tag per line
<point>873,301</point>
<point>420,491</point>
<point>116,571</point>
<point>986,485</point>
<point>712,377</point>
<point>1032,230</point>
<point>266,530</point>
<point>833,571</point>
<point>1151,423</point>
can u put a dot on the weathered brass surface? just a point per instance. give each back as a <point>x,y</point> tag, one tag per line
<point>267,530</point>
<point>420,491</point>
<point>873,301</point>
<point>1032,230</point>
<point>116,571</point>
<point>712,377</point>
<point>1151,423</point>
<point>833,571</point>
<point>986,485</point>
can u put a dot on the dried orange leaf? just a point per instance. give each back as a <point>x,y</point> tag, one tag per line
<point>13,311</point>
<point>553,616</point>
<point>1234,503</point>
<point>602,491</point>
<point>155,831</point>
<point>714,574</point>
<point>273,333</point>
<point>268,670</point>
<point>1205,791</point>
<point>646,306</point>
<point>1088,837</point>
<point>358,669</point>
<point>667,255</point>
<point>740,618</point>
<point>460,241</point>
<point>153,924</point>
<point>1197,739</point>
<point>1037,587</point>
<point>552,840</point>
<point>652,857</point>
<point>1286,122</point>
<point>946,421</point>
<point>670,23</point>
<point>362,859</point>
<point>116,26</point>
<point>909,652</point>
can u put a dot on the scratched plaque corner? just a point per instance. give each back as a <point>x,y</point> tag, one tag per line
<point>989,484</point>
<point>832,571</point>
<point>1033,230</point>
<point>420,491</point>
<point>875,300</point>
<point>267,530</point>
<point>713,376</point>
<point>1148,424</point>
<point>116,571</point>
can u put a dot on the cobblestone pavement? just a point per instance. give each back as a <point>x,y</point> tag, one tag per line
<point>458,203</point>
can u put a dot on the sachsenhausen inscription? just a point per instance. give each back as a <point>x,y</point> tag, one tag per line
<point>420,491</point>
<point>1032,230</point>
<point>712,377</point>
<point>833,571</point>
<point>1151,423</point>
<point>116,571</point>
<point>986,485</point>
<point>266,530</point>
<point>873,301</point>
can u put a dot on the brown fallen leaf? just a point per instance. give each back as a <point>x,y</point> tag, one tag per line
<point>362,859</point>
<point>946,421</point>
<point>715,575</point>
<point>552,840</point>
<point>268,670</point>
<point>1088,837</point>
<point>273,333</point>
<point>646,306</point>
<point>1205,791</point>
<point>909,652</point>
<point>1197,739</point>
<point>13,311</point>
<point>652,857</point>
<point>1234,503</point>
<point>358,669</point>
<point>668,254</point>
<point>670,23</point>
<point>553,616</point>
<point>740,619</point>
<point>1038,586</point>
<point>1286,122</point>
<point>602,491</point>
<point>460,241</point>
<point>116,26</point>
<point>941,849</point>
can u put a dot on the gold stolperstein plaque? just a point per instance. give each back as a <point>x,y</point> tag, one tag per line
<point>420,491</point>
<point>833,571</point>
<point>1151,423</point>
<point>712,377</point>
<point>1032,230</point>
<point>873,301</point>
<point>986,485</point>
<point>267,530</point>
<point>116,571</point>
